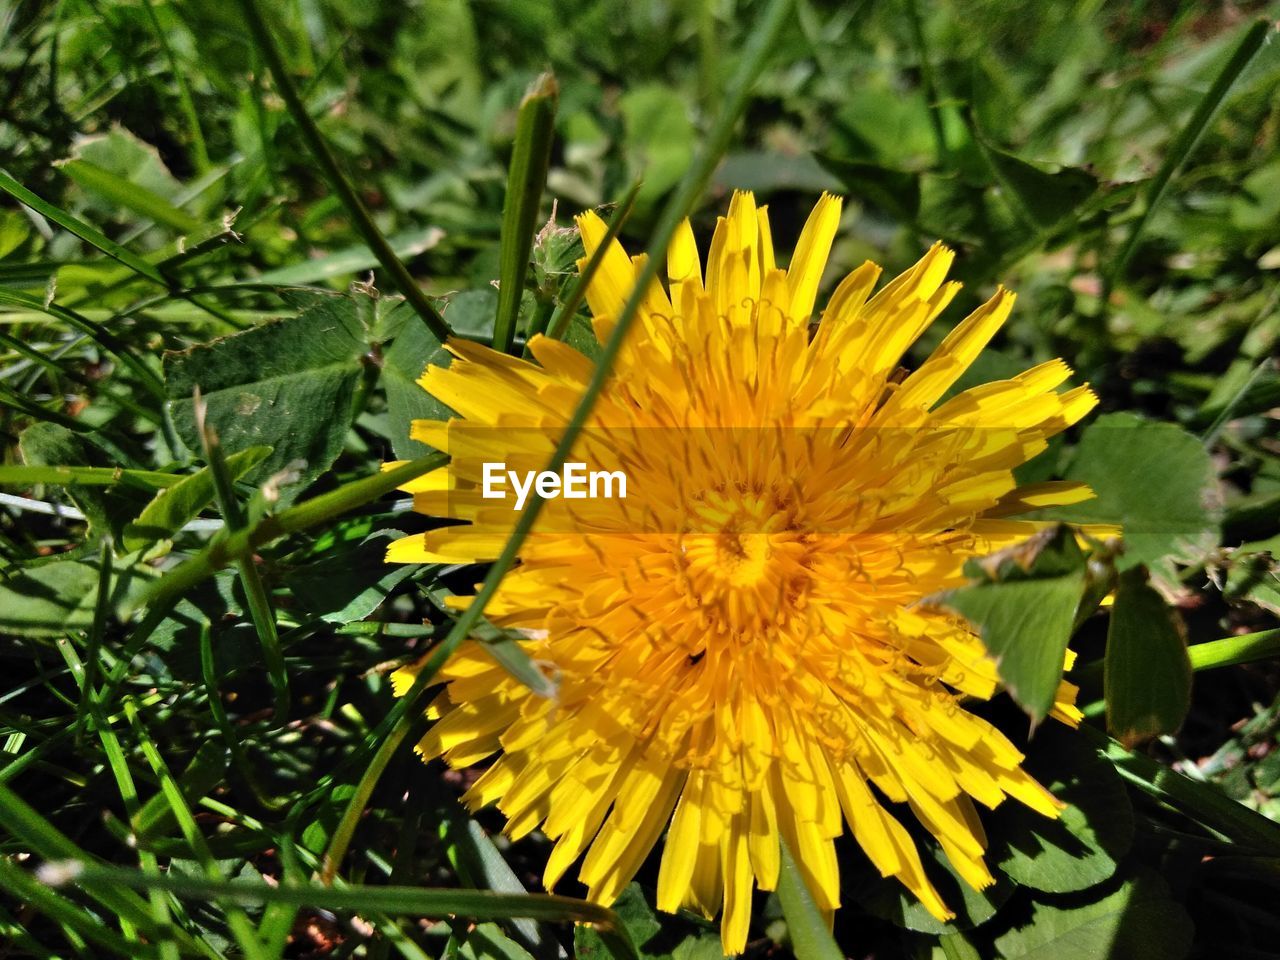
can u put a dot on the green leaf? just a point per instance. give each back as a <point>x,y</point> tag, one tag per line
<point>486,941</point>
<point>896,191</point>
<point>471,313</point>
<point>656,938</point>
<point>658,137</point>
<point>353,259</point>
<point>1147,676</point>
<point>1086,843</point>
<point>770,171</point>
<point>53,598</point>
<point>571,297</point>
<point>132,163</point>
<point>1157,481</point>
<point>582,337</point>
<point>1042,199</point>
<point>120,193</point>
<point>348,584</point>
<point>886,896</point>
<point>287,384</point>
<point>107,509</point>
<point>412,351</point>
<point>1135,920</point>
<point>504,646</point>
<point>1023,602</point>
<point>183,501</point>
<point>479,864</point>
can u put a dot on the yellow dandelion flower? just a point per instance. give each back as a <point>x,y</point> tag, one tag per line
<point>741,652</point>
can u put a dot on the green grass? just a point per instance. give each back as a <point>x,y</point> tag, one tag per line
<point>194,609</point>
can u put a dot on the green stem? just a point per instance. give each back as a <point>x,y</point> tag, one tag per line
<point>538,322</point>
<point>260,612</point>
<point>328,163</point>
<point>1230,651</point>
<point>810,938</point>
<point>1227,652</point>
<point>227,547</point>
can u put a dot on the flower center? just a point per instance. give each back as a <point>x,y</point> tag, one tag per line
<point>744,557</point>
<point>745,565</point>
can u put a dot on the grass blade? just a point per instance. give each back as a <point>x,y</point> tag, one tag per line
<point>30,892</point>
<point>1203,802</point>
<point>185,103</point>
<point>66,370</point>
<point>95,331</point>
<point>1230,651</point>
<point>41,412</point>
<point>129,196</point>
<point>22,822</point>
<point>213,697</point>
<point>478,863</point>
<point>101,609</point>
<point>242,929</point>
<point>1190,135</point>
<point>530,160</point>
<point>476,905</point>
<point>90,235</point>
<point>119,766</point>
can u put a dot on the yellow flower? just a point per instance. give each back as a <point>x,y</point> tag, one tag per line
<point>741,652</point>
